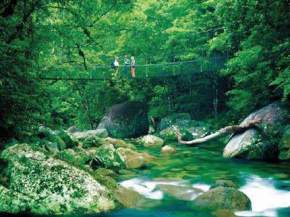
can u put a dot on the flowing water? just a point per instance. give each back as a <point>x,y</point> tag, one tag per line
<point>175,180</point>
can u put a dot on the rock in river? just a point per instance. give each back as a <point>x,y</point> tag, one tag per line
<point>151,141</point>
<point>134,159</point>
<point>167,149</point>
<point>126,120</point>
<point>254,144</point>
<point>223,196</point>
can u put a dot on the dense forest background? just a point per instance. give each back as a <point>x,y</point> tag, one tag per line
<point>38,36</point>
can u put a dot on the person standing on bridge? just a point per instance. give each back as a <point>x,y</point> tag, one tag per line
<point>126,65</point>
<point>133,65</point>
<point>115,66</point>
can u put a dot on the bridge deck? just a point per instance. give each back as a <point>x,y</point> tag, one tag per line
<point>102,72</point>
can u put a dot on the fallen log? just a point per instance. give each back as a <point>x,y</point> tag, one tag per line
<point>219,133</point>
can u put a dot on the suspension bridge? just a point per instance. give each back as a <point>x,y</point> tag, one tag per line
<point>168,69</point>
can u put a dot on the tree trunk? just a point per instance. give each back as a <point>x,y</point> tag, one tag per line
<point>220,132</point>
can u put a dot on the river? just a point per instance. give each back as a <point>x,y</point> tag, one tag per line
<point>175,180</point>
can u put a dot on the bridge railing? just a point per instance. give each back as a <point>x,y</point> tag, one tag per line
<point>102,72</point>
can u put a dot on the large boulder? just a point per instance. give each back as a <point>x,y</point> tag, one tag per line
<point>284,145</point>
<point>53,186</point>
<point>223,196</point>
<point>126,120</point>
<point>258,144</point>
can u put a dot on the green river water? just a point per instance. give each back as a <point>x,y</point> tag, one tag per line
<point>266,184</point>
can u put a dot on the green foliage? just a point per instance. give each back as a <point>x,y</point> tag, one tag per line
<point>63,37</point>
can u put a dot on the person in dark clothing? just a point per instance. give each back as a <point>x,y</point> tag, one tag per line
<point>126,65</point>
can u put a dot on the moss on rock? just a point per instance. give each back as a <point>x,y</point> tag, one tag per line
<point>53,186</point>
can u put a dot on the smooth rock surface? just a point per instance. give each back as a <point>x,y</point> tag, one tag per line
<point>254,144</point>
<point>126,120</point>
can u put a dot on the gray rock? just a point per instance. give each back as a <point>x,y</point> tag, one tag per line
<point>126,120</point>
<point>254,144</point>
<point>250,145</point>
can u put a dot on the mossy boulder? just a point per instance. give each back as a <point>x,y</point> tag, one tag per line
<point>284,145</point>
<point>109,157</point>
<point>55,140</point>
<point>169,134</point>
<point>12,201</point>
<point>68,140</point>
<point>223,197</point>
<point>106,177</point>
<point>53,186</point>
<point>77,157</point>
